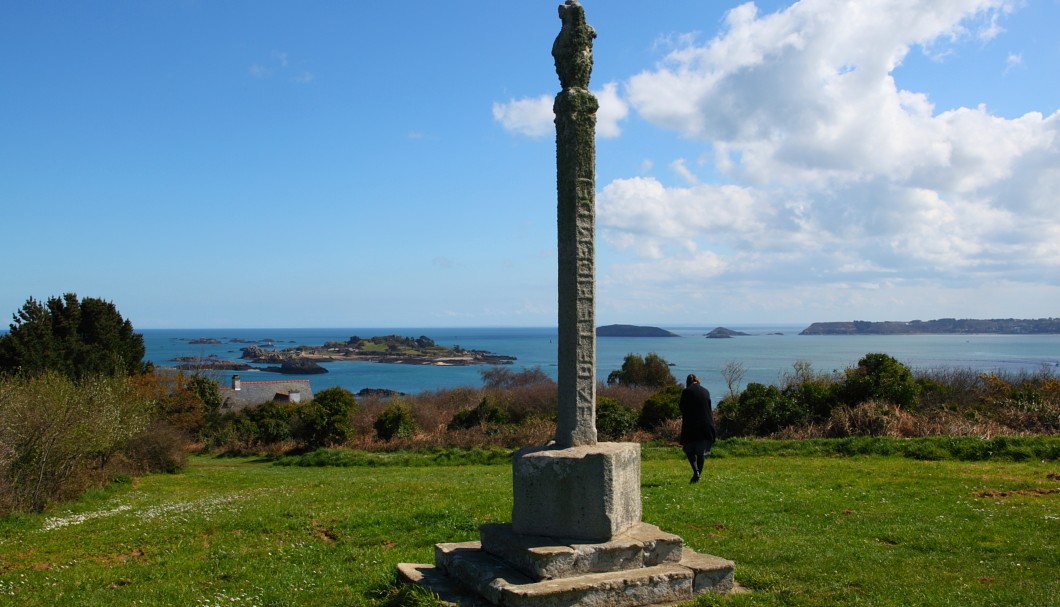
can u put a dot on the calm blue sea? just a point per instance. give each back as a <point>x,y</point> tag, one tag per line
<point>767,354</point>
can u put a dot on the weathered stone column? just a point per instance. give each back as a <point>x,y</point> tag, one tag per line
<point>576,488</point>
<point>575,108</point>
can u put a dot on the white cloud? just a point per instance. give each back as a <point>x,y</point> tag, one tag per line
<point>529,116</point>
<point>1013,60</point>
<point>643,215</point>
<point>678,166</point>
<point>838,176</point>
<point>613,110</point>
<point>533,116</point>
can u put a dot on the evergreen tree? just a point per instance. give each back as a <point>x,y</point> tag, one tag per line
<point>651,371</point>
<point>77,338</point>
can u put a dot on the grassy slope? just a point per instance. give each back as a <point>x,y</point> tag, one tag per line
<point>803,531</point>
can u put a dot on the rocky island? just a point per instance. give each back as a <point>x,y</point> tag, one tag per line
<point>723,333</point>
<point>632,331</point>
<point>210,363</point>
<point>393,349</point>
<point>942,326</point>
<point>298,366</point>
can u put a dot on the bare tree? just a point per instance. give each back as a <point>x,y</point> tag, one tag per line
<point>733,373</point>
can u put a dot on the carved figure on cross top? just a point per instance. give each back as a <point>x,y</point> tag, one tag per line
<point>573,48</point>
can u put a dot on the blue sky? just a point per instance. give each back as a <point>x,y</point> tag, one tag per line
<point>276,164</point>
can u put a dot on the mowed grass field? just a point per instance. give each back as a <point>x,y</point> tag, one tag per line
<point>803,530</point>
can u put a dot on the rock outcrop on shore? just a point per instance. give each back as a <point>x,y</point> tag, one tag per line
<point>212,363</point>
<point>298,366</point>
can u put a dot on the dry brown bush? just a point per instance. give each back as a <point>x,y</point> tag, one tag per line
<point>433,410</point>
<point>802,432</point>
<point>871,418</point>
<point>159,448</point>
<point>535,400</point>
<point>630,397</point>
<point>1033,418</point>
<point>669,431</point>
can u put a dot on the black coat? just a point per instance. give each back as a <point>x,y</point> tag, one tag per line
<point>697,419</point>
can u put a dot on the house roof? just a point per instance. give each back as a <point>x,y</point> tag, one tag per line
<point>256,392</point>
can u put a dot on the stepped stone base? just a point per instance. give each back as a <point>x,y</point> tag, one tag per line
<point>644,566</point>
<point>545,558</point>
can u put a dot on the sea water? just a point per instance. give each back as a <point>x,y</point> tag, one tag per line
<point>767,354</point>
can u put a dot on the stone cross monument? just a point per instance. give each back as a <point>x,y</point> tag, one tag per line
<point>576,536</point>
<point>575,108</point>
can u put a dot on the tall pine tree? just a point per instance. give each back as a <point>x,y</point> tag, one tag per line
<point>77,338</point>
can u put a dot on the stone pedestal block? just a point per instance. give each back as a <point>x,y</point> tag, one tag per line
<point>589,493</point>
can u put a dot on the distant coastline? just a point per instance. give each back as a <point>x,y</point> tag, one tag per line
<point>942,326</point>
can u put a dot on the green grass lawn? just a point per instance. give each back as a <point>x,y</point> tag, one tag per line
<point>803,530</point>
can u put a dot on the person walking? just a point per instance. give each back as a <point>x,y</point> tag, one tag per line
<point>697,424</point>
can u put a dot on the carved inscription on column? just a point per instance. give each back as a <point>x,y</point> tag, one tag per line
<point>575,108</point>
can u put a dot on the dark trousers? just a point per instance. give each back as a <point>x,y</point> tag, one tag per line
<point>696,452</point>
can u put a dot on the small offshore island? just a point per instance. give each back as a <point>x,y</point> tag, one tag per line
<point>305,360</point>
<point>632,331</point>
<point>942,326</point>
<point>392,349</point>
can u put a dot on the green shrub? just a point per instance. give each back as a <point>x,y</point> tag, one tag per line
<point>325,420</point>
<point>925,451</point>
<point>814,399</point>
<point>613,421</point>
<point>880,377</point>
<point>395,421</point>
<point>663,406</point>
<point>272,421</point>
<point>760,410</point>
<point>485,412</point>
<point>209,392</point>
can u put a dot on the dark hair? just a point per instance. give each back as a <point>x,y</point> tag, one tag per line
<point>692,379</point>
